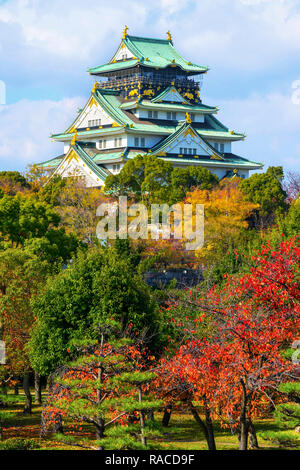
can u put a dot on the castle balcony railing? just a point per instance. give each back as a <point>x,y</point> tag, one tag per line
<point>150,81</point>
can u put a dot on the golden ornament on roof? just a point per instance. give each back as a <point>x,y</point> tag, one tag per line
<point>73,141</point>
<point>169,37</point>
<point>125,32</point>
<point>188,118</point>
<point>95,87</point>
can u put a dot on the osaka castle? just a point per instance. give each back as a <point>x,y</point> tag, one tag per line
<point>147,100</point>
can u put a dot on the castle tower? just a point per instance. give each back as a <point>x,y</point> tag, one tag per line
<point>147,100</point>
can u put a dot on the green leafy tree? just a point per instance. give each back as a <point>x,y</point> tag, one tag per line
<point>266,190</point>
<point>184,179</point>
<point>99,284</point>
<point>25,217</point>
<point>12,182</point>
<point>153,180</point>
<point>145,177</point>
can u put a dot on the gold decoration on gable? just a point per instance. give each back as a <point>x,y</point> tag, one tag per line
<point>92,102</point>
<point>214,156</point>
<point>190,132</point>
<point>71,131</point>
<point>71,156</point>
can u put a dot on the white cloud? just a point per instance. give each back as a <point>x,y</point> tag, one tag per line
<point>271,123</point>
<point>26,127</point>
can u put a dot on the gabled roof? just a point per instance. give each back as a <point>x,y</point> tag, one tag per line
<point>77,151</point>
<point>166,94</point>
<point>155,53</point>
<point>185,129</point>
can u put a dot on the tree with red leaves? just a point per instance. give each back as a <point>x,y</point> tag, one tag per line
<point>240,368</point>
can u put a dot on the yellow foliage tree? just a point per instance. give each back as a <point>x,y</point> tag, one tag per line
<point>225,217</point>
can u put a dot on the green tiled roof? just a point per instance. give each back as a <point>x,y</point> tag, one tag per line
<point>99,171</point>
<point>150,52</point>
<point>111,105</point>
<point>52,163</point>
<point>227,163</point>
<point>146,104</point>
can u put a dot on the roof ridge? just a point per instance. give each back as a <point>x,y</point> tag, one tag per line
<point>148,39</point>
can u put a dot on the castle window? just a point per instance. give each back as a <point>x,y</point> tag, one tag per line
<point>120,142</point>
<point>143,142</point>
<point>192,117</point>
<point>222,148</point>
<point>152,114</point>
<point>116,167</point>
<point>171,115</point>
<point>94,122</point>
<point>136,141</point>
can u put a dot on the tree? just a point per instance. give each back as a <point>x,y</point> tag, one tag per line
<point>22,276</point>
<point>226,211</point>
<point>292,185</point>
<point>266,190</point>
<point>76,205</point>
<point>287,414</point>
<point>145,178</point>
<point>153,180</point>
<point>99,284</point>
<point>240,366</point>
<point>25,217</point>
<point>104,386</point>
<point>185,179</point>
<point>12,182</point>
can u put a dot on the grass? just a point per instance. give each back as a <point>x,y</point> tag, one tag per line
<point>183,433</point>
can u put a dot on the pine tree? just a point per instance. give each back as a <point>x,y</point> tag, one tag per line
<point>287,417</point>
<point>105,386</point>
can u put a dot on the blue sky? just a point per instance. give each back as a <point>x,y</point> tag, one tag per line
<point>251,46</point>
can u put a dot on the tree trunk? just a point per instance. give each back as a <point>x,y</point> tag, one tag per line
<point>243,438</point>
<point>150,415</point>
<point>167,416</point>
<point>210,430</point>
<point>100,431</point>
<point>253,442</point>
<point>142,420</point>
<point>210,443</point>
<point>16,389</point>
<point>28,402</point>
<point>37,389</point>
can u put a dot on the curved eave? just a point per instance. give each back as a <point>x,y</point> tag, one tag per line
<point>177,107</point>
<point>215,163</point>
<point>214,134</point>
